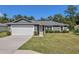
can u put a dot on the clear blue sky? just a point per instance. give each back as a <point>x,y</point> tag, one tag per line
<point>32,10</point>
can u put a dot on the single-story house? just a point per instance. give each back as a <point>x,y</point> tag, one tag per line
<point>27,27</point>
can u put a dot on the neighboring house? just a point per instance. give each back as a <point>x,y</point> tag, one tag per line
<point>27,27</point>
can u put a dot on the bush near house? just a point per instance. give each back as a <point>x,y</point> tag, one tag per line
<point>65,31</point>
<point>48,31</point>
<point>35,33</point>
<point>4,33</point>
<point>8,33</point>
<point>51,31</point>
<point>76,31</point>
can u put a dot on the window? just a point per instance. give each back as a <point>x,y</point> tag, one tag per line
<point>57,28</point>
<point>48,27</point>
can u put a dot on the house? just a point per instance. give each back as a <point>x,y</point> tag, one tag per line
<point>26,27</point>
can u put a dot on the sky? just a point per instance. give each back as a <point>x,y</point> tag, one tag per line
<point>37,11</point>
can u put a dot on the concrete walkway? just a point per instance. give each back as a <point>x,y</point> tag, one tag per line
<point>26,52</point>
<point>8,45</point>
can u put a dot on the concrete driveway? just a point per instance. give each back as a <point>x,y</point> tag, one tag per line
<point>8,45</point>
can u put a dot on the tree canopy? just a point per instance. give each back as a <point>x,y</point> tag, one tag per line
<point>71,17</point>
<point>4,18</point>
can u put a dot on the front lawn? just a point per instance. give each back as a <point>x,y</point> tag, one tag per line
<point>3,34</point>
<point>53,43</point>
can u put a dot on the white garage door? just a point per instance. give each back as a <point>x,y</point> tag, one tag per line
<point>22,29</point>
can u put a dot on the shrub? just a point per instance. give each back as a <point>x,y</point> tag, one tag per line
<point>46,31</point>
<point>76,31</point>
<point>51,31</point>
<point>8,33</point>
<point>57,31</point>
<point>35,33</point>
<point>4,33</point>
<point>65,31</point>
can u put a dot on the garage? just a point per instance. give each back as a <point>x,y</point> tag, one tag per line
<point>21,26</point>
<point>22,29</point>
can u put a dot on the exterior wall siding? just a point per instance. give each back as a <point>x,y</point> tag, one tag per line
<point>53,28</point>
<point>59,28</point>
<point>65,28</point>
<point>56,28</point>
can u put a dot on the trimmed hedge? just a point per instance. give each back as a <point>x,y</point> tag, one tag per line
<point>51,31</point>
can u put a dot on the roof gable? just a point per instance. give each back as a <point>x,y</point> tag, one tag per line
<point>22,20</point>
<point>46,23</point>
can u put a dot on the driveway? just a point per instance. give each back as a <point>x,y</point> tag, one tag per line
<point>8,45</point>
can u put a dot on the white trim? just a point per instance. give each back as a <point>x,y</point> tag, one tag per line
<point>52,27</point>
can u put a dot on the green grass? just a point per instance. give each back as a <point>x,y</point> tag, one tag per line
<point>58,43</point>
<point>3,34</point>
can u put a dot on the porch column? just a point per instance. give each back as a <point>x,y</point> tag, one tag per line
<point>52,28</point>
<point>62,28</point>
<point>9,28</point>
<point>41,28</point>
<point>44,30</point>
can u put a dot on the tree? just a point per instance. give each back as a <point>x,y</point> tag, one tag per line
<point>5,15</point>
<point>4,18</point>
<point>71,10</point>
<point>58,18</point>
<point>77,18</point>
<point>31,18</point>
<point>25,17</point>
<point>50,18</point>
<point>17,16</point>
<point>42,19</point>
<point>70,14</point>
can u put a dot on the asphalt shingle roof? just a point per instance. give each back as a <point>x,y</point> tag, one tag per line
<point>47,23</point>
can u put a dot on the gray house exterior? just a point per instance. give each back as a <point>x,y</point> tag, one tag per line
<point>42,26</point>
<point>28,27</point>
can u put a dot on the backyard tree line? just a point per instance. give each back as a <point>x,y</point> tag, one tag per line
<point>71,17</point>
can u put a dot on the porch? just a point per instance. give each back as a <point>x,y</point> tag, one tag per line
<point>41,29</point>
